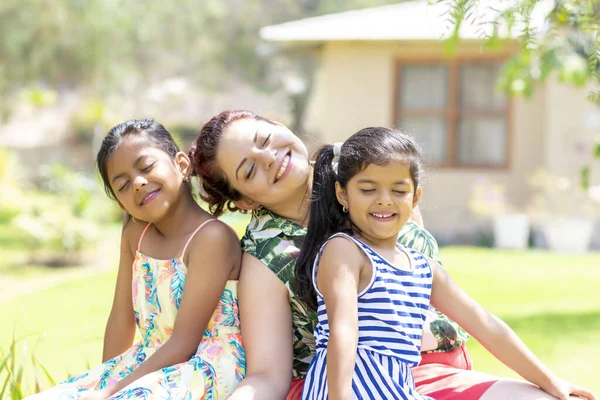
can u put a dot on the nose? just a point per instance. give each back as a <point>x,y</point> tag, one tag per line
<point>139,182</point>
<point>266,157</point>
<point>384,198</point>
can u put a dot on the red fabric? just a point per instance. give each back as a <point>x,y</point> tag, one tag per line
<point>443,376</point>
<point>295,392</point>
<point>458,358</point>
<point>449,376</point>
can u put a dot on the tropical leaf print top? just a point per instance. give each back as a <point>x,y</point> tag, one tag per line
<point>277,241</point>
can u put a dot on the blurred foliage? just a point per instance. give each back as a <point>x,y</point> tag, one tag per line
<point>121,46</point>
<point>39,97</point>
<point>61,219</point>
<point>10,194</point>
<point>88,120</point>
<point>183,134</point>
<point>570,47</point>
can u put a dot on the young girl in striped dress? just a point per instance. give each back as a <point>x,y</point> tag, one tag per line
<point>370,293</point>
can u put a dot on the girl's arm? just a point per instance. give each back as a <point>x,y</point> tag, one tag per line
<point>497,337</point>
<point>338,281</point>
<point>120,328</point>
<point>267,333</point>
<point>213,254</point>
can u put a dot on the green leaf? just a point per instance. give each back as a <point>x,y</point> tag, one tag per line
<point>36,376</point>
<point>594,97</point>
<point>48,375</point>
<point>4,386</point>
<point>585,177</point>
<point>4,364</point>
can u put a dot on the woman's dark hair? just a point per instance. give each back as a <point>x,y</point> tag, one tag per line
<point>215,188</point>
<point>368,146</point>
<point>156,135</point>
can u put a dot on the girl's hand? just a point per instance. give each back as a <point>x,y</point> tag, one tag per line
<point>562,389</point>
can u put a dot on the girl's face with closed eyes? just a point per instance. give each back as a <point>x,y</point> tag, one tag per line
<point>146,180</point>
<point>265,162</point>
<point>380,200</point>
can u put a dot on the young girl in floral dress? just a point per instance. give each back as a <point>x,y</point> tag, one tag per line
<point>177,281</point>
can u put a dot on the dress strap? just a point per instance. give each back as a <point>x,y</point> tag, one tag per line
<point>361,247</point>
<point>194,234</point>
<point>142,236</point>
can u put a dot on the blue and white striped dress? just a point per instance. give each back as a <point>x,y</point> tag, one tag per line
<point>391,313</point>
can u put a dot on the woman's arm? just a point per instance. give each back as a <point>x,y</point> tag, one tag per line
<point>120,328</point>
<point>338,281</point>
<point>213,254</point>
<point>497,337</point>
<point>266,319</point>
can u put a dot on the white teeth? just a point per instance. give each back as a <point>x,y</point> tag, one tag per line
<point>284,165</point>
<point>381,215</point>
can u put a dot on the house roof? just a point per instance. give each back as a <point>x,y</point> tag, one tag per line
<point>409,20</point>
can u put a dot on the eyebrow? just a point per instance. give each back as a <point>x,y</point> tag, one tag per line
<point>402,182</point>
<point>244,159</point>
<point>122,174</point>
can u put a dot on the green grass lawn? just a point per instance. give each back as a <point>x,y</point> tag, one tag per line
<point>550,300</point>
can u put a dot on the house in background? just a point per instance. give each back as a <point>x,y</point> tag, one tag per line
<point>386,66</point>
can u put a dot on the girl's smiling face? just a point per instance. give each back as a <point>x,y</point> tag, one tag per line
<point>145,180</point>
<point>380,200</point>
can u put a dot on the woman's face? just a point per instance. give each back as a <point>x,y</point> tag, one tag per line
<point>265,162</point>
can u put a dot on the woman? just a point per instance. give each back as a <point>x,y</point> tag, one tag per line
<point>247,162</point>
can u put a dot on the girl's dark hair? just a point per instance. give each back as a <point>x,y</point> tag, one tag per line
<point>368,146</point>
<point>215,188</point>
<point>156,135</point>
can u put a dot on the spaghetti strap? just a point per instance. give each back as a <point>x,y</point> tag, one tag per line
<point>142,236</point>
<point>194,234</point>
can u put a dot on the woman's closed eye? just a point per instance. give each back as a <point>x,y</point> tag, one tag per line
<point>367,190</point>
<point>267,139</point>
<point>250,174</point>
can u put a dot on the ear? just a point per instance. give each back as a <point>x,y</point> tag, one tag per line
<point>341,194</point>
<point>184,164</point>
<point>417,196</point>
<point>246,204</point>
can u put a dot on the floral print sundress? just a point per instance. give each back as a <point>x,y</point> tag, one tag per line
<point>212,372</point>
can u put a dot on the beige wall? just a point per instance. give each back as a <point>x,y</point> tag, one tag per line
<point>355,89</point>
<point>572,125</point>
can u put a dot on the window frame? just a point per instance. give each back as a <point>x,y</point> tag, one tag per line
<point>453,112</point>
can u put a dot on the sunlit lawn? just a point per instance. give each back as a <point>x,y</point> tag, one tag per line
<point>552,302</point>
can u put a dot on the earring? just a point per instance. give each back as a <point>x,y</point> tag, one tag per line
<point>345,209</point>
<point>186,179</point>
<point>133,219</point>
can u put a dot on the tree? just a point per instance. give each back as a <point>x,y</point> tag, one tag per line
<point>569,47</point>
